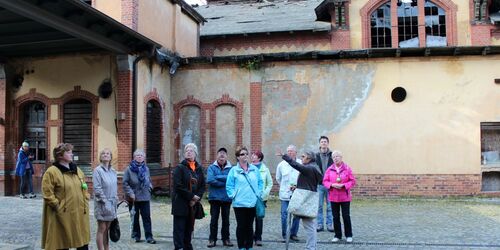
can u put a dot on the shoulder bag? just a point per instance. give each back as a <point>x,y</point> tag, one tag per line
<point>304,203</point>
<point>260,206</point>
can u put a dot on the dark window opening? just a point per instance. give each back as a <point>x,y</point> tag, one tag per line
<point>33,129</point>
<point>435,25</point>
<point>480,13</point>
<point>490,143</point>
<point>153,132</point>
<point>380,27</point>
<point>408,24</point>
<point>77,130</point>
<point>341,15</point>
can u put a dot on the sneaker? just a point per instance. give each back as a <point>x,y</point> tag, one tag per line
<point>32,195</point>
<point>151,241</point>
<point>319,229</point>
<point>294,238</point>
<point>329,228</point>
<point>227,243</point>
<point>335,239</point>
<point>22,196</point>
<point>211,244</point>
<point>348,239</point>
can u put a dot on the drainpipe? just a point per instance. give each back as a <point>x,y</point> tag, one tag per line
<point>134,102</point>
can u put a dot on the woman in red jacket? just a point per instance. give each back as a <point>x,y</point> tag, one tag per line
<point>339,180</point>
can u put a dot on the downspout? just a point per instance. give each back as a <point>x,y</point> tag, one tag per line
<point>134,103</point>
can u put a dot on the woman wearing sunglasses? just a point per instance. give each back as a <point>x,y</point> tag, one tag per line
<point>243,185</point>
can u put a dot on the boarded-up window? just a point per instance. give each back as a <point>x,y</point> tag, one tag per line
<point>190,130</point>
<point>77,129</point>
<point>33,129</point>
<point>490,143</point>
<point>153,132</point>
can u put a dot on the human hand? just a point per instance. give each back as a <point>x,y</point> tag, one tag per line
<point>196,198</point>
<point>279,152</point>
<point>191,203</point>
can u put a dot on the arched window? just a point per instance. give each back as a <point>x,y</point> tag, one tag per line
<point>77,130</point>
<point>412,19</point>
<point>33,129</point>
<point>153,132</point>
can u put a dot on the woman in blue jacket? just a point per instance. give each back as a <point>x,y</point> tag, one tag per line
<point>24,169</point>
<point>243,185</point>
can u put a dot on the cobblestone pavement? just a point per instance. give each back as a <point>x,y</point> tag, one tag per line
<point>377,224</point>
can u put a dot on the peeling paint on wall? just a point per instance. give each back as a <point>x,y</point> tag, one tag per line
<point>298,113</point>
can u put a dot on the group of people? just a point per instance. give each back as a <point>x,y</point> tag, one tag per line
<point>242,186</point>
<point>66,220</point>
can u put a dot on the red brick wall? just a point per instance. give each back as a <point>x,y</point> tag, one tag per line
<point>124,132</point>
<point>481,34</point>
<point>341,39</point>
<point>255,116</point>
<point>254,41</point>
<point>130,13</point>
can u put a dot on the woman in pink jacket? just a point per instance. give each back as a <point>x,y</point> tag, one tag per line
<point>339,180</point>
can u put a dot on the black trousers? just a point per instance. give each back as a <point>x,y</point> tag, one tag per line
<point>244,226</point>
<point>84,247</point>
<point>222,208</point>
<point>346,216</point>
<point>142,208</point>
<point>258,227</point>
<point>183,231</point>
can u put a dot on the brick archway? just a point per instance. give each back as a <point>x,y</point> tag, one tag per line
<point>448,6</point>
<point>154,96</point>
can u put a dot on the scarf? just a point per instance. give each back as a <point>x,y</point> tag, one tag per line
<point>192,165</point>
<point>140,170</point>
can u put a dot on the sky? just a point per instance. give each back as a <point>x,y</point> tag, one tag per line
<point>200,2</point>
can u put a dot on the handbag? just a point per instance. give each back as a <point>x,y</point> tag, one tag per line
<point>260,206</point>
<point>304,203</point>
<point>114,230</point>
<point>199,213</point>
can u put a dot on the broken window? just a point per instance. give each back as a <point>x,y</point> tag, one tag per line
<point>490,143</point>
<point>153,132</point>
<point>407,23</point>
<point>340,15</point>
<point>33,120</point>
<point>480,10</point>
<point>380,27</point>
<point>435,25</point>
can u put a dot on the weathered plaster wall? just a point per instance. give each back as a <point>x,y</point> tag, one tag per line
<point>154,81</point>
<point>436,130</point>
<point>112,8</point>
<point>55,76</point>
<point>156,21</point>
<point>186,29</point>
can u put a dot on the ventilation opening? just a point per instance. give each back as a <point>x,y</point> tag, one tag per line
<point>491,181</point>
<point>398,94</point>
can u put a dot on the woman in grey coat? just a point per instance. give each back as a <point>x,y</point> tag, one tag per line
<point>105,197</point>
<point>137,188</point>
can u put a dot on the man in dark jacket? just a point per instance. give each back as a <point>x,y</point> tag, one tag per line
<point>217,196</point>
<point>324,160</point>
<point>189,186</point>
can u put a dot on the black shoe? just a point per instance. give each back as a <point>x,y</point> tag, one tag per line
<point>227,243</point>
<point>294,238</point>
<point>137,240</point>
<point>319,229</point>
<point>258,243</point>
<point>151,241</point>
<point>211,243</point>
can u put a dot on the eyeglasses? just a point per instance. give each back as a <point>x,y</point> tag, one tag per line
<point>243,154</point>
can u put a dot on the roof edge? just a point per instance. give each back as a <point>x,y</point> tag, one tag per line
<point>327,29</point>
<point>351,54</point>
<point>188,9</point>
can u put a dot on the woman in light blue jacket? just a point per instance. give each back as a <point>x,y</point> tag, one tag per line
<point>243,185</point>
<point>267,184</point>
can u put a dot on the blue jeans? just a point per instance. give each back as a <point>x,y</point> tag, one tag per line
<point>323,197</point>
<point>27,178</point>
<point>295,223</point>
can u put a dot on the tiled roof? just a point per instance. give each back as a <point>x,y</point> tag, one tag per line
<point>262,17</point>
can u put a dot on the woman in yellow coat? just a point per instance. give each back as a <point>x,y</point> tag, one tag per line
<point>65,203</point>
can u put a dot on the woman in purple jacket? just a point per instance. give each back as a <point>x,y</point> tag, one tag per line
<point>339,180</point>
